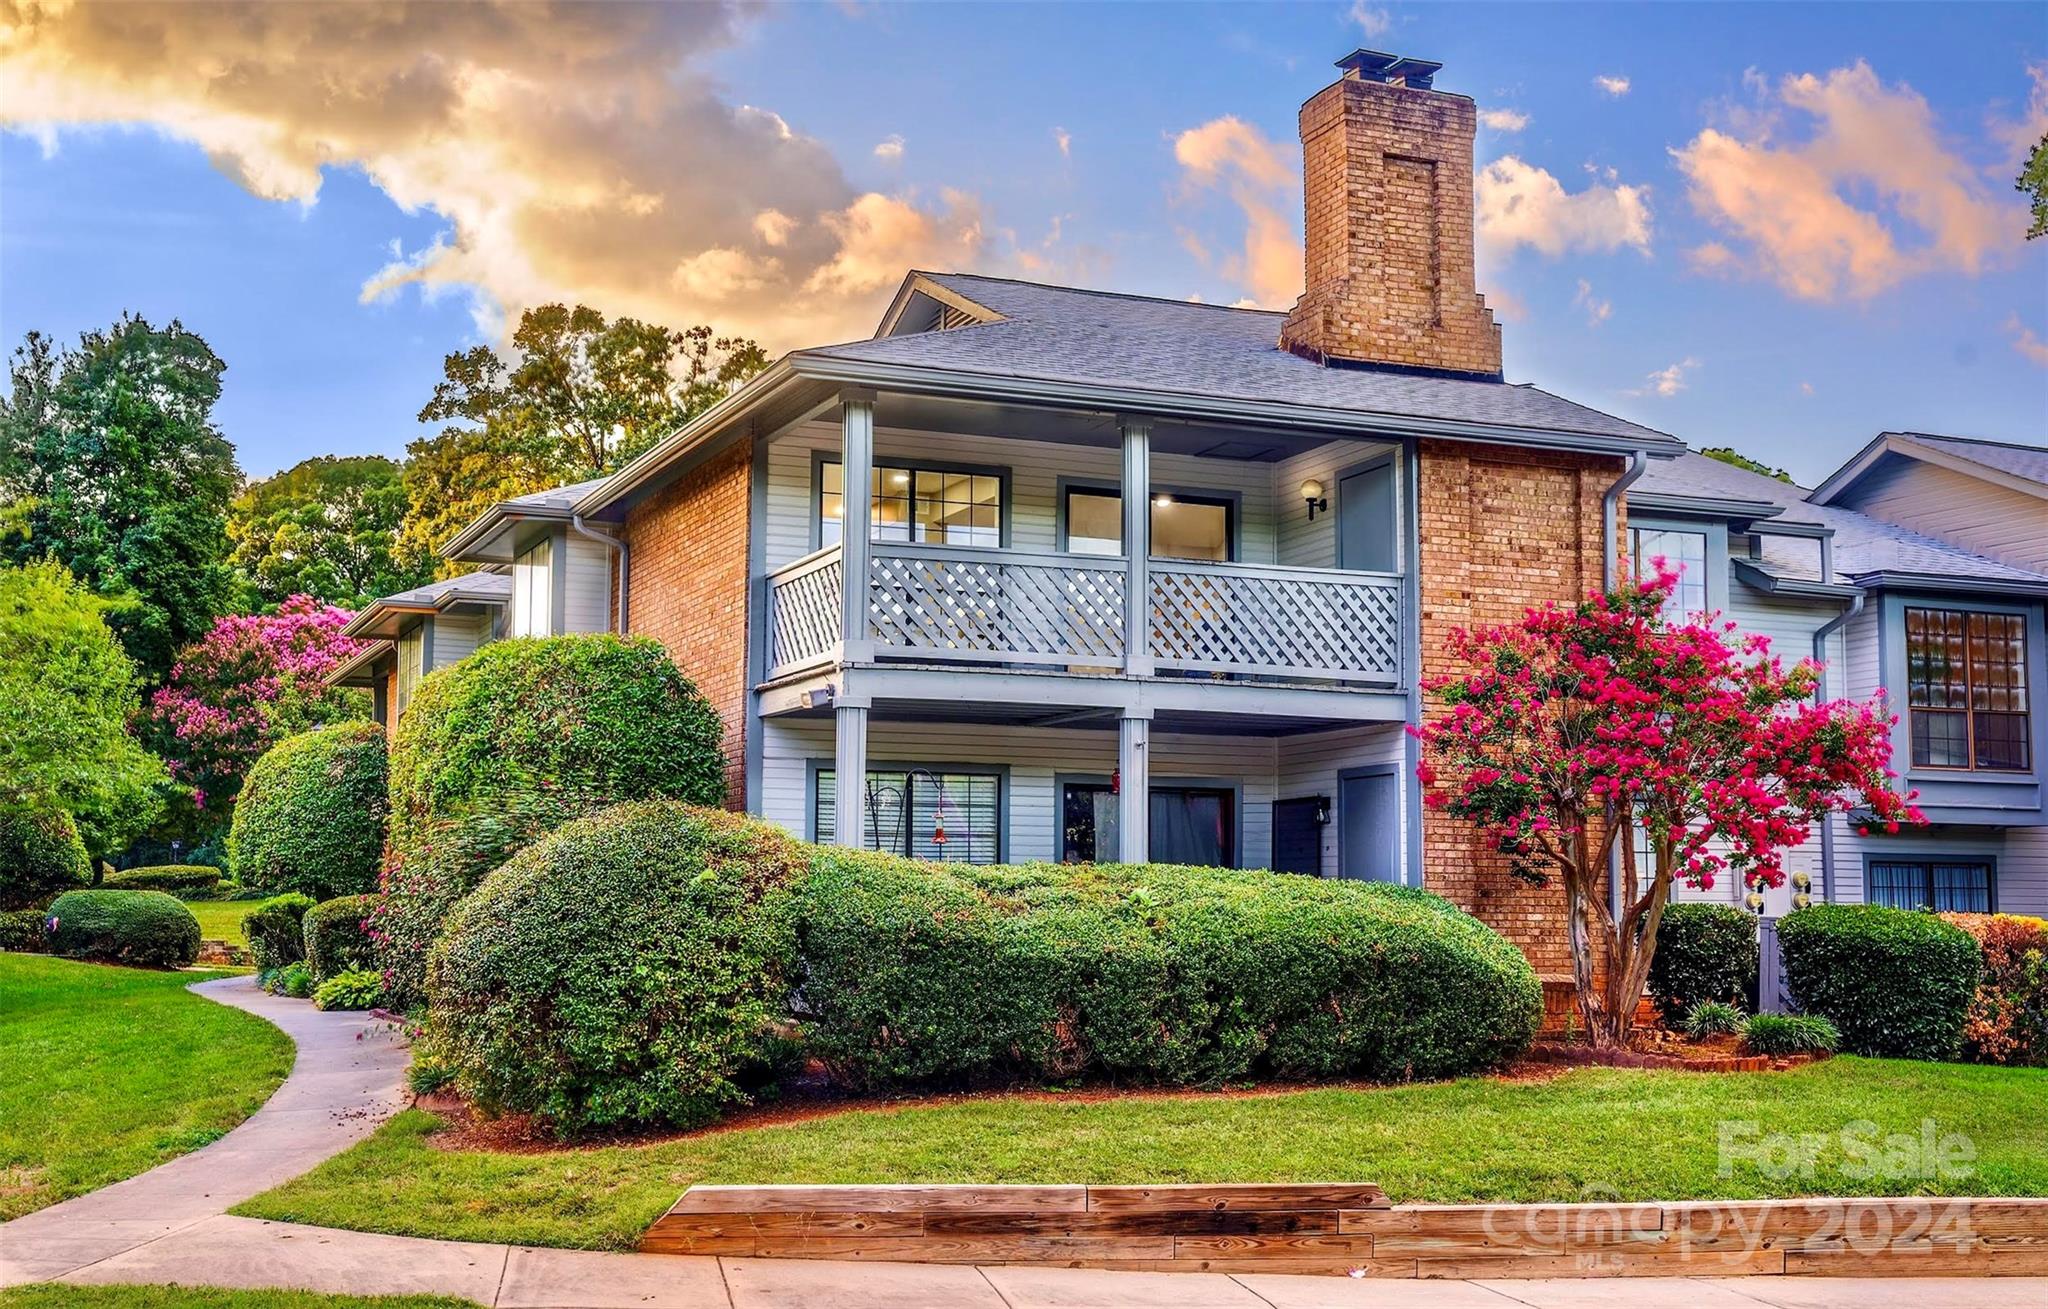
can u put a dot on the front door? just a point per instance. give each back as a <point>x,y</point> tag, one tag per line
<point>1367,521</point>
<point>1369,826</point>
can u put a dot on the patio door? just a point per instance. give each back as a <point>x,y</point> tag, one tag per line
<point>1369,824</point>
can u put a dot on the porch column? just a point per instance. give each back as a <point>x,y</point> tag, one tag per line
<point>850,775</point>
<point>1137,499</point>
<point>1134,788</point>
<point>857,466</point>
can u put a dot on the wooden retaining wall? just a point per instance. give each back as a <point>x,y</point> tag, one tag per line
<point>1351,1230</point>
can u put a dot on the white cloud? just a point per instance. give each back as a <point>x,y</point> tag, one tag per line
<point>1667,381</point>
<point>1806,388</point>
<point>2029,345</point>
<point>1520,204</point>
<point>1064,140</point>
<point>1374,20</point>
<point>1503,120</point>
<point>773,226</point>
<point>1612,84</point>
<point>1257,173</point>
<point>1871,196</point>
<point>1597,310</point>
<point>891,149</point>
<point>882,236</point>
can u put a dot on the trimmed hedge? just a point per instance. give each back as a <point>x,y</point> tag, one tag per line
<point>511,743</point>
<point>146,928</point>
<point>40,856</point>
<point>22,930</point>
<point>1894,982</point>
<point>310,817</point>
<point>276,930</point>
<point>338,936</point>
<point>632,968</point>
<point>190,880</point>
<point>1704,952</point>
<point>2008,1022</point>
<point>949,974</point>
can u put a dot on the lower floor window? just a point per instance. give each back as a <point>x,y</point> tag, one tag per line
<point>1189,825</point>
<point>1948,886</point>
<point>952,816</point>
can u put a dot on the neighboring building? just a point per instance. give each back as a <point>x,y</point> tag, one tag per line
<point>1150,579</point>
<point>414,632</point>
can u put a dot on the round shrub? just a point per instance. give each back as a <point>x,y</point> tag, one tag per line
<point>192,881</point>
<point>632,968</point>
<point>945,973</point>
<point>146,928</point>
<point>310,817</point>
<point>1704,952</point>
<point>40,856</point>
<point>338,936</point>
<point>511,743</point>
<point>1893,982</point>
<point>22,930</point>
<point>276,930</point>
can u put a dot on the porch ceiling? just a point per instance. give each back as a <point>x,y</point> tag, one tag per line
<point>918,413</point>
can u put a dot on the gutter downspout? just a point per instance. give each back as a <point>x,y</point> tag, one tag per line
<point>1610,515</point>
<point>1820,695</point>
<point>625,558</point>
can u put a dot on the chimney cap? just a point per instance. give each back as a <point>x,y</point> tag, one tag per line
<point>1396,70</point>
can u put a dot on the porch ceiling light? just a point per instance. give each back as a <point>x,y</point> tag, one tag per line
<point>1312,492</point>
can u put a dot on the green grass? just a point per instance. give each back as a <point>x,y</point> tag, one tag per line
<point>1589,1134</point>
<point>209,1297</point>
<point>110,1071</point>
<point>221,920</point>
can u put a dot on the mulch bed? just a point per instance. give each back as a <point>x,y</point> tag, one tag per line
<point>1659,1049</point>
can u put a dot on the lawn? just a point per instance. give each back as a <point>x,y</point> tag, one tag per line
<point>1589,1134</point>
<point>207,1297</point>
<point>221,920</point>
<point>111,1071</point>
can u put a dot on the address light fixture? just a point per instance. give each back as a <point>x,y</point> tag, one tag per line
<point>1318,502</point>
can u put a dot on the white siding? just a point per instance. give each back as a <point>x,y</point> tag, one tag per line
<point>587,603</point>
<point>2023,872</point>
<point>1309,766</point>
<point>1975,514</point>
<point>456,636</point>
<point>1302,544</point>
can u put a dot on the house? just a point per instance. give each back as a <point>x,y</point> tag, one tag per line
<point>410,634</point>
<point>1153,579</point>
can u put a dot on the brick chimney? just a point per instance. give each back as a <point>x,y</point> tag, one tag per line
<point>1387,171</point>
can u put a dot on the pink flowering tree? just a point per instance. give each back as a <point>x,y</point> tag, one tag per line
<point>1574,729</point>
<point>251,681</point>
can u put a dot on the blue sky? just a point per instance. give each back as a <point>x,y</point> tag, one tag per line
<point>1798,219</point>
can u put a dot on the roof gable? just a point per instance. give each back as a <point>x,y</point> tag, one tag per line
<point>2021,468</point>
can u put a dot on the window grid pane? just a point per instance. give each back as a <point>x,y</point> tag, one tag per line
<point>915,504</point>
<point>1966,688</point>
<point>1685,551</point>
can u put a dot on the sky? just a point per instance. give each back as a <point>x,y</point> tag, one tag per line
<point>1780,227</point>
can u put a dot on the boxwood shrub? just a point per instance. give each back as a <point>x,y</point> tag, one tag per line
<point>949,974</point>
<point>149,929</point>
<point>631,968</point>
<point>310,817</point>
<point>511,743</point>
<point>40,856</point>
<point>338,936</point>
<point>276,930</point>
<point>191,881</point>
<point>1892,981</point>
<point>1704,952</point>
<point>22,929</point>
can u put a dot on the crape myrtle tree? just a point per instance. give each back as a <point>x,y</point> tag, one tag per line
<point>1568,732</point>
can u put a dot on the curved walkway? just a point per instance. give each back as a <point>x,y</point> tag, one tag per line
<point>171,1225</point>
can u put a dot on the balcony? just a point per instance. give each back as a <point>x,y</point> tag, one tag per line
<point>934,604</point>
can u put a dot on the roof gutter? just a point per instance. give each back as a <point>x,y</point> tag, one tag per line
<point>1610,516</point>
<point>1820,695</point>
<point>618,544</point>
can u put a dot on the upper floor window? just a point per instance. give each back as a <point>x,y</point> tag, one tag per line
<point>1685,551</point>
<point>533,591</point>
<point>908,503</point>
<point>1183,526</point>
<point>1966,689</point>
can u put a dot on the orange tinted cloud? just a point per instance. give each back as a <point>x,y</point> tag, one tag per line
<point>1257,173</point>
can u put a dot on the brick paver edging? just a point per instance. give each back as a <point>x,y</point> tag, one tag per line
<point>1351,1230</point>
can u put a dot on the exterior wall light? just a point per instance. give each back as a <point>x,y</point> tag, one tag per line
<point>1312,491</point>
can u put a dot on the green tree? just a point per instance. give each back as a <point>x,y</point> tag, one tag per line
<point>2033,180</point>
<point>326,527</point>
<point>67,692</point>
<point>1729,455</point>
<point>579,396</point>
<point>110,459</point>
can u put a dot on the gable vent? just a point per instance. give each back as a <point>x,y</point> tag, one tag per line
<point>950,318</point>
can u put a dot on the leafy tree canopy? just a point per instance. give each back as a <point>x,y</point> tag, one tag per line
<point>2033,181</point>
<point>1729,455</point>
<point>110,459</point>
<point>326,527</point>
<point>579,395</point>
<point>66,693</point>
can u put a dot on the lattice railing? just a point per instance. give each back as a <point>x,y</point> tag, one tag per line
<point>803,611</point>
<point>1282,622</point>
<point>1006,606</point>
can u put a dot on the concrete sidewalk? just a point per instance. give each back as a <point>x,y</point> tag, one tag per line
<point>170,1225</point>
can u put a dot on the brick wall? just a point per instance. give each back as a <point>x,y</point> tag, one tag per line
<point>1501,531</point>
<point>688,588</point>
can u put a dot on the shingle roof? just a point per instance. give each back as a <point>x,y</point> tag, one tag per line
<point>469,586</point>
<point>1862,545</point>
<point>561,498</point>
<point>2026,461</point>
<point>1059,334</point>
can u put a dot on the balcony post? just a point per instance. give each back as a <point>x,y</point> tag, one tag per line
<point>1134,787</point>
<point>856,532</point>
<point>1137,502</point>
<point>849,775</point>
